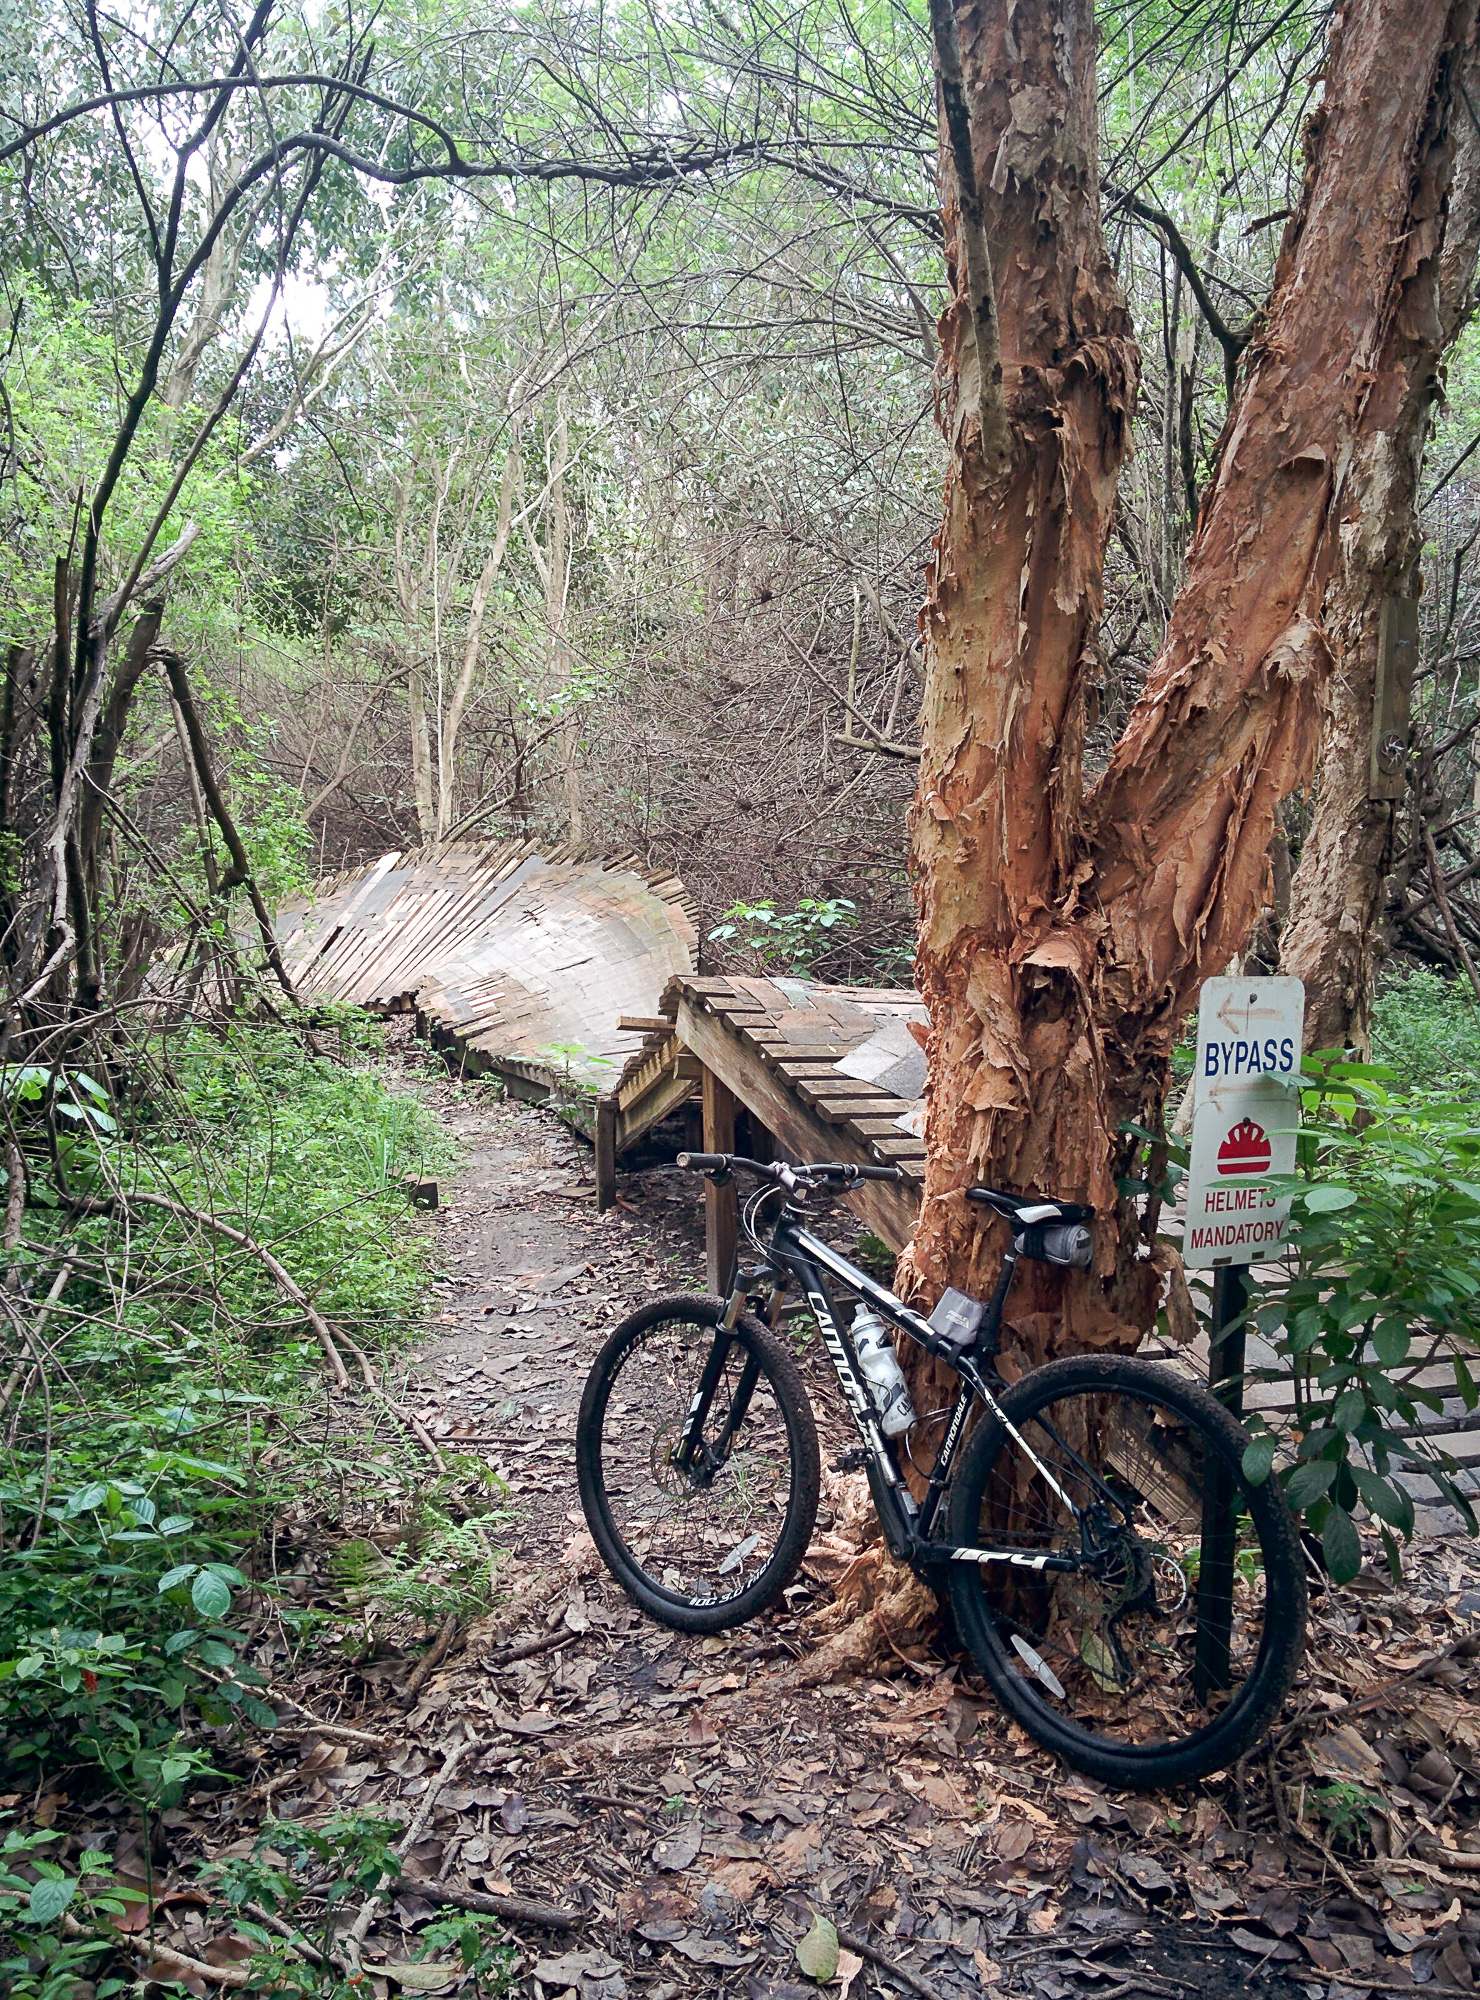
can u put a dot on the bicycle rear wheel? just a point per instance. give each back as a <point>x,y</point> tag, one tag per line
<point>1169,1653</point>
<point>701,1538</point>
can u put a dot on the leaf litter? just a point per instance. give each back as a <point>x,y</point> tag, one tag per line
<point>654,1815</point>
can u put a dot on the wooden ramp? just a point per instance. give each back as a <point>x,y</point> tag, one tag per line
<point>823,1072</point>
<point>521,957</point>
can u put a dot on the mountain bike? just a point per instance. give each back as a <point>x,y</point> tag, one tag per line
<point>1135,1602</point>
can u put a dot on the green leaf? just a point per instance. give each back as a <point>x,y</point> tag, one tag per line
<point>1258,1459</point>
<point>1327,1198</point>
<point>173,1578</point>
<point>1309,1482</point>
<point>817,1954</point>
<point>1342,1545</point>
<point>1349,1409</point>
<point>227,1574</point>
<point>49,1899</point>
<point>1391,1341</point>
<point>1464,1381</point>
<point>1383,1499</point>
<point>210,1596</point>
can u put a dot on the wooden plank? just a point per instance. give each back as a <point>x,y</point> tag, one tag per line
<point>721,1204</point>
<point>888,1208</point>
<point>1397,655</point>
<point>606,1152</point>
<point>833,1090</point>
<point>644,1024</point>
<point>664,1095</point>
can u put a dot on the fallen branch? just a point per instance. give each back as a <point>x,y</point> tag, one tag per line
<point>1436,1852</point>
<point>518,1909</point>
<point>430,1660</point>
<point>1465,1647</point>
<point>349,1951</point>
<point>527,1648</point>
<point>855,1941</point>
<point>281,1276</point>
<point>196,1968</point>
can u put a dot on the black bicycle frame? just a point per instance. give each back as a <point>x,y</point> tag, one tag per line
<point>795,1252</point>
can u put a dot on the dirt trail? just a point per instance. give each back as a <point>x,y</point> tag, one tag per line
<point>692,1811</point>
<point>695,1808</point>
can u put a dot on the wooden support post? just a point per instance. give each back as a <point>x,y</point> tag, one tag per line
<point>1392,695</point>
<point>606,1153</point>
<point>721,1209</point>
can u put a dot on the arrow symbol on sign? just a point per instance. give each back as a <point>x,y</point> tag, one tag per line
<point>1249,1010</point>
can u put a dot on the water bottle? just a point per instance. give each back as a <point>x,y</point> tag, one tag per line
<point>880,1365</point>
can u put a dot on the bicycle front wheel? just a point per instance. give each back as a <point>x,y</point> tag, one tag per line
<point>697,1459</point>
<point>1164,1652</point>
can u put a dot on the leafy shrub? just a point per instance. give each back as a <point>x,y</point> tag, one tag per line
<point>162,1424</point>
<point>335,1867</point>
<point>775,940</point>
<point>1426,1030</point>
<point>38,1959</point>
<point>1384,1282</point>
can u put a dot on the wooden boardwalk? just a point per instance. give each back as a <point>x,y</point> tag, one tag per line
<point>520,957</point>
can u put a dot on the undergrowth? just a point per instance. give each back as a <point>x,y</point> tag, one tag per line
<point>164,1399</point>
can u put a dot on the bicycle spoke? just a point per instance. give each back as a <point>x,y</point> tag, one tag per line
<point>1112,1646</point>
<point>696,1461</point>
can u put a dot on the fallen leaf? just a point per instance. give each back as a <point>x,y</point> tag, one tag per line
<point>817,1953</point>
<point>425,1976</point>
<point>1147,1873</point>
<point>703,1951</point>
<point>1344,1754</point>
<point>678,1852</point>
<point>849,1967</point>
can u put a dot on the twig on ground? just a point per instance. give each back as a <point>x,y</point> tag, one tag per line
<point>527,1648</point>
<point>349,1950</point>
<point>285,1930</point>
<point>518,1909</point>
<point>1464,1647</point>
<point>855,1941</point>
<point>430,1660</point>
<point>196,1968</point>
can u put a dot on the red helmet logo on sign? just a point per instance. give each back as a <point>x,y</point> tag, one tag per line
<point>1245,1150</point>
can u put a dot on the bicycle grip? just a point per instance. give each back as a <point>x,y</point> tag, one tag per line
<point>704,1163</point>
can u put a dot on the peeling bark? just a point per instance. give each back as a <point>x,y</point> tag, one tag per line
<point>1336,898</point>
<point>1064,937</point>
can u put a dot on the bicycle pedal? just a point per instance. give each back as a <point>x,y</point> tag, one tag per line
<point>854,1459</point>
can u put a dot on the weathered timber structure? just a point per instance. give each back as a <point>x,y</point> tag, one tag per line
<point>517,957</point>
<point>818,1072</point>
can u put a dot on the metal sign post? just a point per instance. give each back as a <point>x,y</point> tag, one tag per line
<point>1243,1128</point>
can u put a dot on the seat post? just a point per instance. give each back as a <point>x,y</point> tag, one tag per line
<point>992,1324</point>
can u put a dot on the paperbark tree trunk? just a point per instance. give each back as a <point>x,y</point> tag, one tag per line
<point>1064,936</point>
<point>1332,938</point>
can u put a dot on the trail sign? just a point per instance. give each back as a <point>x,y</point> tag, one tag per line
<point>1243,1121</point>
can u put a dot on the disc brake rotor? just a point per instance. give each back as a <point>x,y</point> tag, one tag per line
<point>668,1477</point>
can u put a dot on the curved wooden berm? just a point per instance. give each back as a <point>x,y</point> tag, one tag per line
<point>519,956</point>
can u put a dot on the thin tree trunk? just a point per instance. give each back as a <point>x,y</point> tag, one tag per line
<point>473,644</point>
<point>1333,935</point>
<point>1063,938</point>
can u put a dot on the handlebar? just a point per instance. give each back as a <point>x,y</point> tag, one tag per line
<point>790,1178</point>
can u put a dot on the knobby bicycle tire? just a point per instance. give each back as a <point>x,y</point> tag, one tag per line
<point>986,1598</point>
<point>751,1342</point>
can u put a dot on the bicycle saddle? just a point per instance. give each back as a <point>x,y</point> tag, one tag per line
<point>1023,1210</point>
